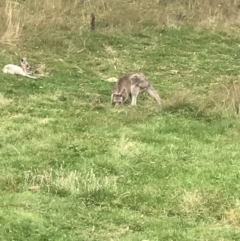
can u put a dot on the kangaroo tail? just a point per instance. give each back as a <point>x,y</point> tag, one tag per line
<point>32,77</point>
<point>154,94</point>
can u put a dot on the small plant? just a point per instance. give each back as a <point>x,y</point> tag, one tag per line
<point>92,22</point>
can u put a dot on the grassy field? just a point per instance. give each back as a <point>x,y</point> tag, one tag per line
<point>131,173</point>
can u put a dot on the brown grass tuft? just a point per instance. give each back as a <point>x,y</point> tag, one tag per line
<point>222,100</point>
<point>182,99</point>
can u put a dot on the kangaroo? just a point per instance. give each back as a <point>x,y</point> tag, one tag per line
<point>132,84</point>
<point>18,70</point>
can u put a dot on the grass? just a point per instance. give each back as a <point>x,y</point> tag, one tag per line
<point>137,173</point>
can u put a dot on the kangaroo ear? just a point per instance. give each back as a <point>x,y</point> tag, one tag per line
<point>23,59</point>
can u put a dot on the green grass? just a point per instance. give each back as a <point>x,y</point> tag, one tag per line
<point>134,173</point>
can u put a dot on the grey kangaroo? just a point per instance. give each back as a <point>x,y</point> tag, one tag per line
<point>132,84</point>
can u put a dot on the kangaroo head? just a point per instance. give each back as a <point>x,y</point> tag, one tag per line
<point>118,97</point>
<point>24,64</point>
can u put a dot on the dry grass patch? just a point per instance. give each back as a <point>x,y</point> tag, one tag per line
<point>28,17</point>
<point>191,201</point>
<point>11,21</point>
<point>225,97</point>
<point>42,70</point>
<point>109,49</point>
<point>73,182</point>
<point>232,217</point>
<point>220,100</point>
<point>127,147</point>
<point>4,101</point>
<point>182,98</point>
